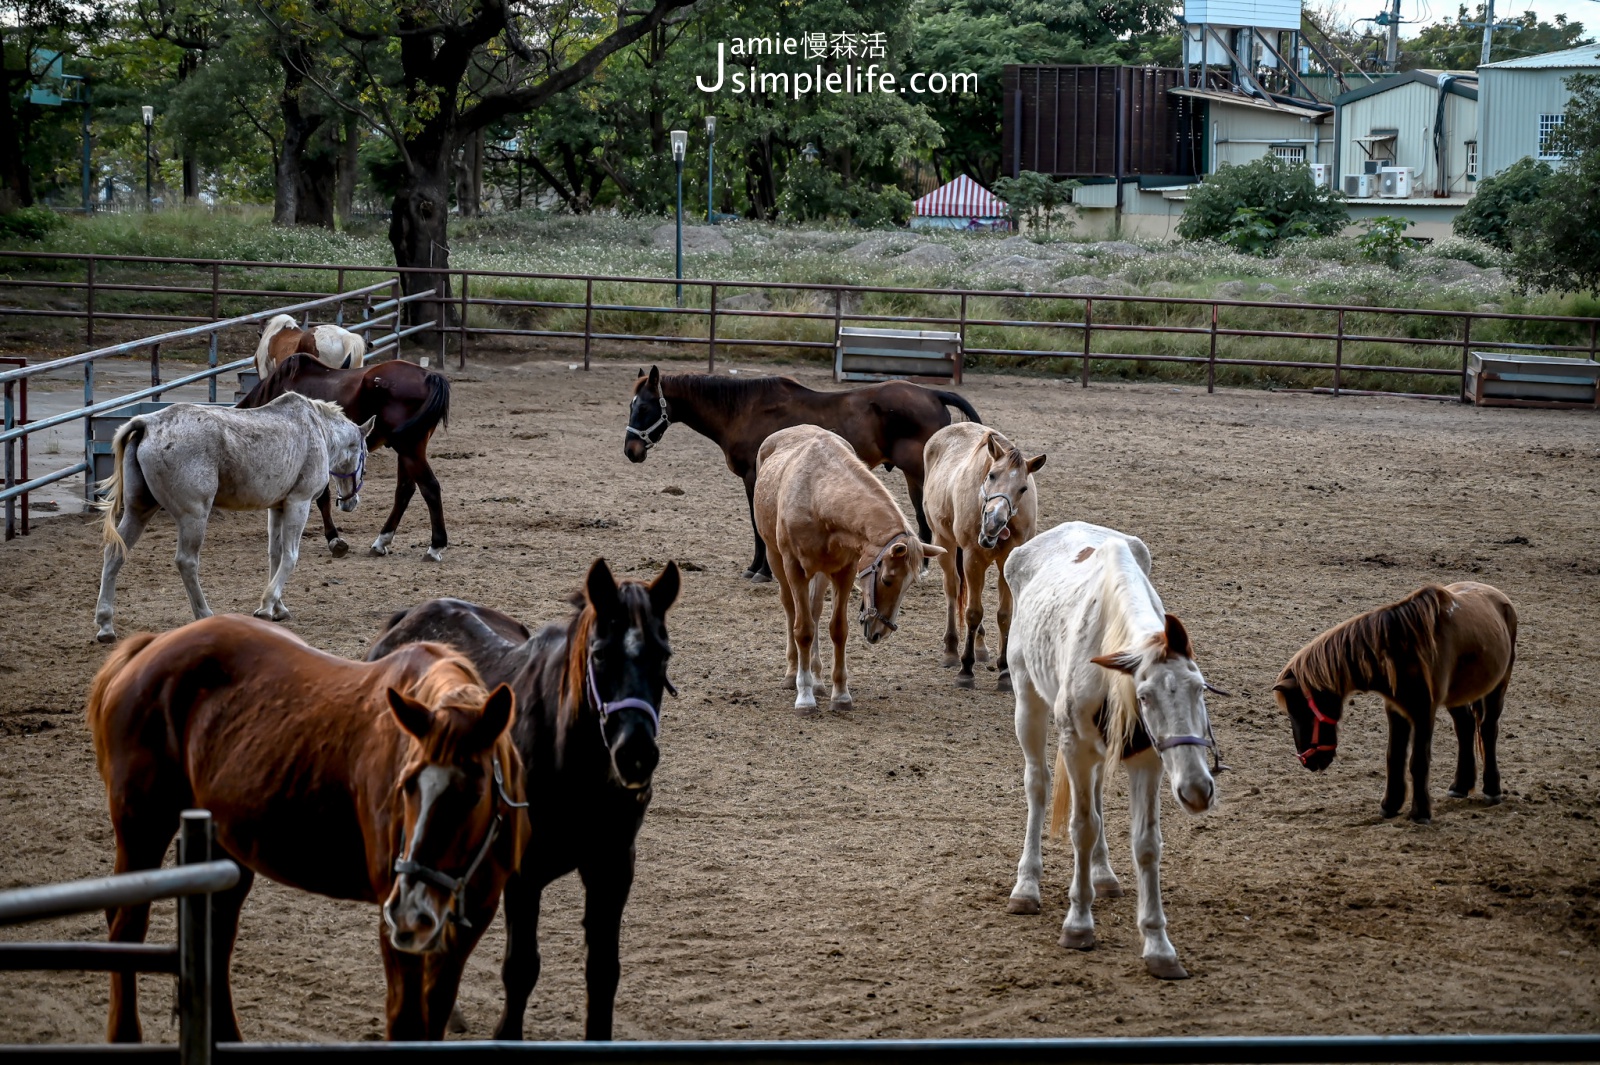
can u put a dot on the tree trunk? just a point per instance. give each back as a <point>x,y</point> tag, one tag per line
<point>349,164</point>
<point>315,177</point>
<point>418,232</point>
<point>298,126</point>
<point>469,176</point>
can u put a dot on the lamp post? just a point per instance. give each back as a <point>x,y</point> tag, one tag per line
<point>680,145</point>
<point>149,122</point>
<point>711,169</point>
<point>809,153</point>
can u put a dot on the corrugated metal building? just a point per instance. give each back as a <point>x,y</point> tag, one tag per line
<point>1522,100</point>
<point>1423,119</point>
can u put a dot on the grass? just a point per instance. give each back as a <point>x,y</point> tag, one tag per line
<point>1452,275</point>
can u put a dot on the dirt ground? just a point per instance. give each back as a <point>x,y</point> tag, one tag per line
<point>846,875</point>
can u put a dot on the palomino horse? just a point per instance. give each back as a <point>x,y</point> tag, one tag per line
<point>827,520</point>
<point>392,783</point>
<point>982,504</point>
<point>1093,647</point>
<point>334,345</point>
<point>188,459</point>
<point>409,404</point>
<point>1452,647</point>
<point>588,715</point>
<point>886,424</point>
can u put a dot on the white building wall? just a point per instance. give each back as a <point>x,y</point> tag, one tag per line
<point>1511,102</point>
<point>1412,110</point>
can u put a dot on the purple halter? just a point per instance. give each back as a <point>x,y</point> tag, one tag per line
<point>607,709</point>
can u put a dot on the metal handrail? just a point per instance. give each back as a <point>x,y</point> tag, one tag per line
<point>121,401</point>
<point>109,892</point>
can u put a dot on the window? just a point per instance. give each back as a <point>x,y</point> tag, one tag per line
<point>1472,160</point>
<point>1289,154</point>
<point>1548,124</point>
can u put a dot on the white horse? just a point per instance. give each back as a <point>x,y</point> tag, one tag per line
<point>187,459</point>
<point>333,345</point>
<point>1092,645</point>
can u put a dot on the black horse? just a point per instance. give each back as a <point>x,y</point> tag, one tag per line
<point>588,713</point>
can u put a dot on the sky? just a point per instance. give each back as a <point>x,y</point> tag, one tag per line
<point>1584,11</point>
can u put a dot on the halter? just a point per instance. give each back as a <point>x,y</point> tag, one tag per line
<point>359,477</point>
<point>457,886</point>
<point>1011,506</point>
<point>1319,719</point>
<point>1208,740</point>
<point>869,594</point>
<point>660,423</point>
<point>607,709</point>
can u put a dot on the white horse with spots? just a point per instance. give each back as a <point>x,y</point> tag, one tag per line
<point>187,459</point>
<point>1092,646</point>
<point>333,345</point>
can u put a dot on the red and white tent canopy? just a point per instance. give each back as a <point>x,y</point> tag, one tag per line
<point>962,198</point>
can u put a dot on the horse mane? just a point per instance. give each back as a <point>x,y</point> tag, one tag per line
<point>1371,646</point>
<point>728,395</point>
<point>275,325</point>
<point>1122,698</point>
<point>454,690</point>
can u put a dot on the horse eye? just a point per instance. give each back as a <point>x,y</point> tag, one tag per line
<point>1021,490</point>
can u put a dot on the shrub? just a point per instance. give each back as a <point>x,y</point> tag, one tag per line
<point>1555,239</point>
<point>29,223</point>
<point>1037,198</point>
<point>1385,240</point>
<point>816,193</point>
<point>1487,216</point>
<point>1280,196</point>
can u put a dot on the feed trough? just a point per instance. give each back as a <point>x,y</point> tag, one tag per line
<point>909,354</point>
<point>103,429</point>
<point>1498,380</point>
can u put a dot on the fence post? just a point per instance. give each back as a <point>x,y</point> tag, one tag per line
<point>155,366</point>
<point>711,338</point>
<point>211,361</point>
<point>588,319</point>
<point>1466,352</point>
<point>1211,366</point>
<point>1088,332</point>
<point>1338,356</point>
<point>461,350</point>
<point>441,320</point>
<point>88,432</point>
<point>962,334</point>
<point>194,947</point>
<point>399,317</point>
<point>88,332</point>
<point>838,317</point>
<point>11,460</point>
<point>216,296</point>
<point>338,286</point>
<point>1594,335</point>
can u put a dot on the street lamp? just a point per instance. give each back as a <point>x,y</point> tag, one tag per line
<point>680,145</point>
<point>149,121</point>
<point>809,153</point>
<point>711,169</point>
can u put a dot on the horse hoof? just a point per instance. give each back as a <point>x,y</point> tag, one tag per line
<point>760,578</point>
<point>1457,794</point>
<point>1388,813</point>
<point>433,554</point>
<point>1077,938</point>
<point>1494,800</point>
<point>106,636</point>
<point>1166,969</point>
<point>966,680</point>
<point>1004,683</point>
<point>338,548</point>
<point>1422,820</point>
<point>950,660</point>
<point>457,1024</point>
<point>1108,889</point>
<point>841,705</point>
<point>378,550</point>
<point>1022,907</point>
<point>805,701</point>
<point>262,612</point>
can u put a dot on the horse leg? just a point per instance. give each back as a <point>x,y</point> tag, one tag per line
<point>519,972</point>
<point>1086,826</point>
<point>191,535</point>
<point>330,532</point>
<point>142,842</point>
<point>404,1005</point>
<point>760,571</point>
<point>973,568</point>
<point>441,973</point>
<point>1031,717</point>
<point>839,631</point>
<point>786,595</point>
<point>422,474</point>
<point>950,566</point>
<point>818,597</point>
<point>289,521</point>
<point>1002,618</point>
<point>1104,878</point>
<point>804,635</point>
<point>1465,719</point>
<point>1489,734</point>
<point>225,907</point>
<point>1394,792</point>
<point>605,893</point>
<point>907,454</point>
<point>404,489</point>
<point>1144,793</point>
<point>1421,758</point>
<point>136,514</point>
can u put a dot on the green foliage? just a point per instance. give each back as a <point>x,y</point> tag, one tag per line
<point>1555,242</point>
<point>1261,204</point>
<point>1385,239</point>
<point>1037,199</point>
<point>1458,44</point>
<point>1487,216</point>
<point>814,193</point>
<point>29,223</point>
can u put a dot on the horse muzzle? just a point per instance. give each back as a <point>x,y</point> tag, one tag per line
<point>349,503</point>
<point>1317,759</point>
<point>412,918</point>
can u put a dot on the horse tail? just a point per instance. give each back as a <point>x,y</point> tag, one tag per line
<point>1060,797</point>
<point>435,410</point>
<point>129,435</point>
<point>109,671</point>
<point>356,350</point>
<point>959,402</point>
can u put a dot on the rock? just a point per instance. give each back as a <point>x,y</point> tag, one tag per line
<point>1266,288</point>
<point>1116,247</point>
<point>1161,288</point>
<point>1082,284</point>
<point>1229,290</point>
<point>672,490</point>
<point>745,301</point>
<point>1451,269</point>
<point>880,245</point>
<point>925,256</point>
<point>697,239</point>
<point>1494,276</point>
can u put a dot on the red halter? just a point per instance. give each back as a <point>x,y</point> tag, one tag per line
<point>1316,731</point>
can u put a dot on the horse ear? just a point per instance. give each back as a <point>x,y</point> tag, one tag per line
<point>1177,638</point>
<point>367,426</point>
<point>1035,464</point>
<point>641,371</point>
<point>600,587</point>
<point>992,443</point>
<point>414,717</point>
<point>497,710</point>
<point>664,590</point>
<point>1122,661</point>
<point>932,550</point>
<point>1286,683</point>
<point>899,550</point>
<point>655,377</point>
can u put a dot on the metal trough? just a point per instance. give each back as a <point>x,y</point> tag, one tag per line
<point>103,429</point>
<point>910,354</point>
<point>1497,380</point>
<point>248,379</point>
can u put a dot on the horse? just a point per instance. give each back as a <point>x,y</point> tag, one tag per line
<point>589,695</point>
<point>1450,647</point>
<point>1093,647</point>
<point>982,504</point>
<point>334,345</point>
<point>886,423</point>
<point>392,783</point>
<point>409,404</point>
<point>825,520</point>
<point>187,459</point>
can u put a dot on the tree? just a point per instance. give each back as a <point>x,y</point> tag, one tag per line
<point>1487,216</point>
<point>1555,242</point>
<point>1261,204</point>
<point>32,34</point>
<point>1036,198</point>
<point>1458,45</point>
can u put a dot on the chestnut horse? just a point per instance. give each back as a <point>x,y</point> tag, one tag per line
<point>334,345</point>
<point>589,711</point>
<point>1450,647</point>
<point>826,519</point>
<point>982,503</point>
<point>392,783</point>
<point>885,423</point>
<point>409,403</point>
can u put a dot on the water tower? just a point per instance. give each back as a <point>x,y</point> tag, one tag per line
<point>1246,42</point>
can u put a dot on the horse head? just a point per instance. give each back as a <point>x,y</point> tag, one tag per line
<point>454,796</point>
<point>1171,705</point>
<point>619,656</point>
<point>347,453</point>
<point>648,416</point>
<point>1003,487</point>
<point>884,574</point>
<point>1313,717</point>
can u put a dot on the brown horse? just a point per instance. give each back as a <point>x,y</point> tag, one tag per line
<point>826,519</point>
<point>409,403</point>
<point>1450,647</point>
<point>982,502</point>
<point>886,423</point>
<point>282,337</point>
<point>392,783</point>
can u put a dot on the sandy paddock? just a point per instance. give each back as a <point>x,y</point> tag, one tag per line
<point>847,875</point>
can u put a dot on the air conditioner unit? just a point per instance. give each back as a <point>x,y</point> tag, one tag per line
<point>1371,166</point>
<point>1321,174</point>
<point>1358,186</point>
<point>1394,182</point>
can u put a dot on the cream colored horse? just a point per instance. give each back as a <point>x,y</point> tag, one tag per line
<point>333,345</point>
<point>827,520</point>
<point>981,503</point>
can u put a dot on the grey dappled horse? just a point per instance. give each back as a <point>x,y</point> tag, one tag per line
<point>187,459</point>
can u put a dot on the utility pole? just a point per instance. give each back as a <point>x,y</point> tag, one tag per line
<point>1394,38</point>
<point>1488,32</point>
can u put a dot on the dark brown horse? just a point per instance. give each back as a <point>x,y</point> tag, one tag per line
<point>1450,647</point>
<point>589,697</point>
<point>886,424</point>
<point>409,403</point>
<point>392,783</point>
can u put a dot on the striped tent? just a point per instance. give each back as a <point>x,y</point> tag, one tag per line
<point>962,204</point>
